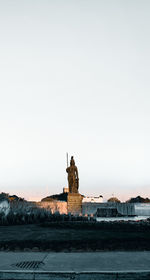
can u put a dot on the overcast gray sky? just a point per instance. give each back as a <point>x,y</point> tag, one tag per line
<point>75,76</point>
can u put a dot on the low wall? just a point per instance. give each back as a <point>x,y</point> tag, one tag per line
<point>41,275</point>
<point>142,209</point>
<point>54,206</point>
<point>90,208</point>
<point>127,209</point>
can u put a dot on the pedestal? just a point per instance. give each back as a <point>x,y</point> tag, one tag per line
<point>74,203</point>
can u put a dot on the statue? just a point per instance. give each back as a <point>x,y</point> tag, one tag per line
<point>73,179</point>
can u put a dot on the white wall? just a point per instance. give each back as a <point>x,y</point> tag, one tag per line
<point>142,209</point>
<point>4,207</point>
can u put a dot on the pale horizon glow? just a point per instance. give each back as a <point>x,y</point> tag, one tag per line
<point>74,77</point>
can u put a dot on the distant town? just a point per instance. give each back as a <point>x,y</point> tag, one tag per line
<point>71,202</point>
<point>91,206</point>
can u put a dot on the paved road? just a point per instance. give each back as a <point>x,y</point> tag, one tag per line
<point>79,262</point>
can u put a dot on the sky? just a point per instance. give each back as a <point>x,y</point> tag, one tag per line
<point>75,77</point>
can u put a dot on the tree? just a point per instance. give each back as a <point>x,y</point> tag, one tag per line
<point>113,199</point>
<point>138,199</point>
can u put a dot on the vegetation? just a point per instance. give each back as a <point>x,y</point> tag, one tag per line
<point>71,236</point>
<point>113,199</point>
<point>138,199</point>
<point>60,197</point>
<point>22,213</point>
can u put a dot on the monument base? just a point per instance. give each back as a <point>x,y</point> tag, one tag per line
<point>74,203</point>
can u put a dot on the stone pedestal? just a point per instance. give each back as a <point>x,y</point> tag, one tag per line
<point>74,203</point>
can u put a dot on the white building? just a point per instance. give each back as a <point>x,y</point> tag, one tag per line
<point>95,199</point>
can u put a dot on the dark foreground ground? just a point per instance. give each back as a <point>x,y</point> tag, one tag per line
<point>76,236</point>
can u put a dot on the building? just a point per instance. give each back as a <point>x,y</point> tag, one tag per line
<point>93,199</point>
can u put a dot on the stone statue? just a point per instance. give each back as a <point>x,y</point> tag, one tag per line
<point>73,179</point>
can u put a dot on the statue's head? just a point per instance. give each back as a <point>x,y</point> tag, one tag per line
<point>72,162</point>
